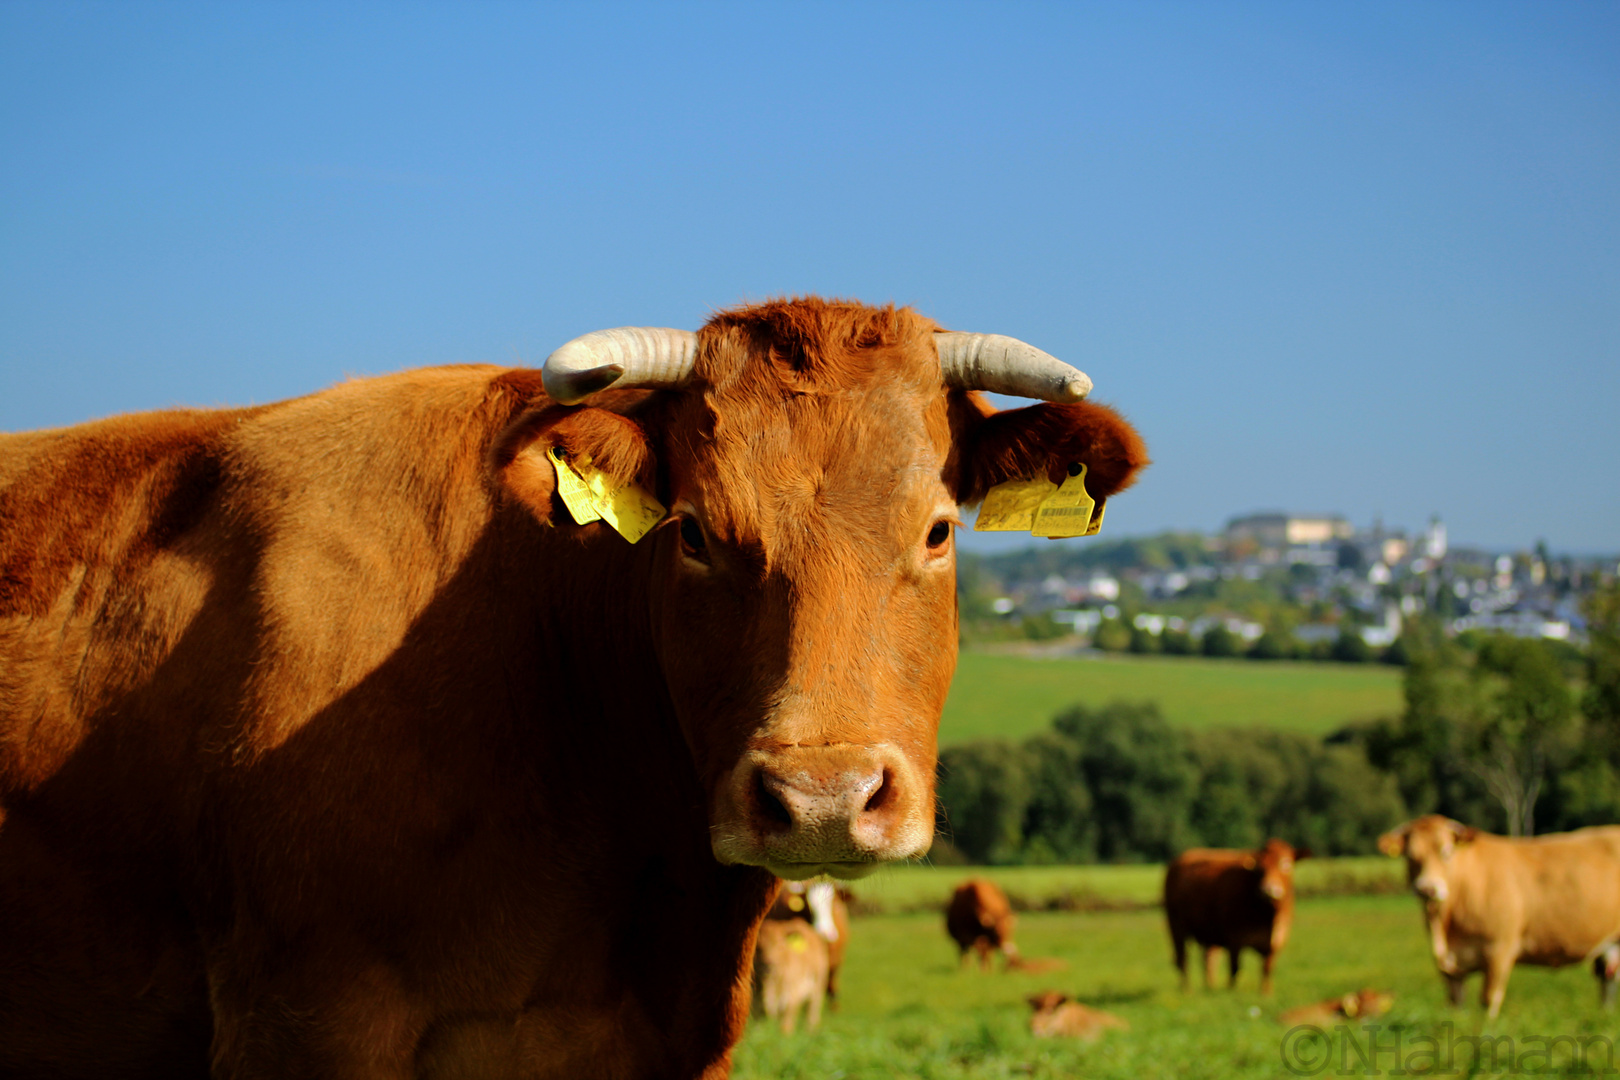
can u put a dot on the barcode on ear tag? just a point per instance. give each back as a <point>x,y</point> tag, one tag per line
<point>1067,511</point>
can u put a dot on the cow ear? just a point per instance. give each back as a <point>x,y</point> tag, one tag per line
<point>990,447</point>
<point>1393,843</point>
<point>1460,833</point>
<point>616,445</point>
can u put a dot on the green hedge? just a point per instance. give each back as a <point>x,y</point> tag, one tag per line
<point>1118,784</point>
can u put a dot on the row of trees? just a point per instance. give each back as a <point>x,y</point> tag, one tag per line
<point>1115,635</point>
<point>1495,732</point>
<point>1119,784</point>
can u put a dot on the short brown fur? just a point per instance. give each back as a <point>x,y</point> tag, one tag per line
<point>330,746</point>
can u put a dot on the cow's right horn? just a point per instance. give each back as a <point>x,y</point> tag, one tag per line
<point>1005,365</point>
<point>628,356</point>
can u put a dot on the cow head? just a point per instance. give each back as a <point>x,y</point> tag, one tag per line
<point>1428,844</point>
<point>813,456</point>
<point>1273,866</point>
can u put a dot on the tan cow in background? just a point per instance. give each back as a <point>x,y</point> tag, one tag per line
<point>1490,902</point>
<point>790,972</point>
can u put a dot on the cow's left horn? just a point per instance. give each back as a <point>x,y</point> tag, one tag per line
<point>1005,365</point>
<point>629,356</point>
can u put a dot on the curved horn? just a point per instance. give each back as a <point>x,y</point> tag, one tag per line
<point>1005,365</point>
<point>629,356</point>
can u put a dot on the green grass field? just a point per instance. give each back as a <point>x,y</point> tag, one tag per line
<point>904,889</point>
<point>1012,697</point>
<point>908,1010</point>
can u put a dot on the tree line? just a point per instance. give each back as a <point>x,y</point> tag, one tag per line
<point>1517,736</point>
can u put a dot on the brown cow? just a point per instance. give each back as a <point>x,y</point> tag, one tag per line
<point>826,907</point>
<point>1361,1004</point>
<point>1490,902</point>
<point>790,972</point>
<point>1232,900</point>
<point>1056,1015</point>
<point>331,746</point>
<point>980,918</point>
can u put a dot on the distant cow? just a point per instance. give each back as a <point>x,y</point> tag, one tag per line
<point>1362,1003</point>
<point>1490,902</point>
<point>1232,900</point>
<point>826,906</point>
<point>790,972</point>
<point>1056,1015</point>
<point>980,918</point>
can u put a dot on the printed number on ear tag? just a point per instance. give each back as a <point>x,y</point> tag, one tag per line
<point>590,496</point>
<point>631,511</point>
<point>1067,511</point>
<point>1038,506</point>
<point>1010,507</point>
<point>575,493</point>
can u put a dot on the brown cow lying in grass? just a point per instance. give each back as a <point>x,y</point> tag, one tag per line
<point>1362,1003</point>
<point>1055,1014</point>
<point>790,972</point>
<point>1490,902</point>
<point>1232,900</point>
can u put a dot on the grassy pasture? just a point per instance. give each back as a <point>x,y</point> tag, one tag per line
<point>910,1011</point>
<point>903,889</point>
<point>1007,696</point>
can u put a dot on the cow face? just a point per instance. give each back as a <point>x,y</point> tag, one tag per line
<point>1274,867</point>
<point>1428,845</point>
<point>803,587</point>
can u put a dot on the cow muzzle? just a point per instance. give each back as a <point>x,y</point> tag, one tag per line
<point>1430,888</point>
<point>807,810</point>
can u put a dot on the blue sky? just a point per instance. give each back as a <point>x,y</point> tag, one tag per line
<point>1353,258</point>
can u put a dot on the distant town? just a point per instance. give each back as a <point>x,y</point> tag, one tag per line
<point>1277,585</point>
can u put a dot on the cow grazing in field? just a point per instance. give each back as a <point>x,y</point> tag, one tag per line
<point>1490,902</point>
<point>1231,900</point>
<point>979,918</point>
<point>331,745</point>
<point>1057,1016</point>
<point>826,907</point>
<point>791,963</point>
<point>1363,1003</point>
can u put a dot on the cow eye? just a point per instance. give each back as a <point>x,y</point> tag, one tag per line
<point>937,536</point>
<point>692,543</point>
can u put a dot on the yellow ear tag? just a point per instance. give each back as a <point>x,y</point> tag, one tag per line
<point>1096,520</point>
<point>590,497</point>
<point>576,495</point>
<point>1010,507</point>
<point>1067,511</point>
<point>631,511</point>
<point>797,943</point>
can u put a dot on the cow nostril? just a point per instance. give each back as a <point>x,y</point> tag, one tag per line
<point>881,797</point>
<point>769,805</point>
